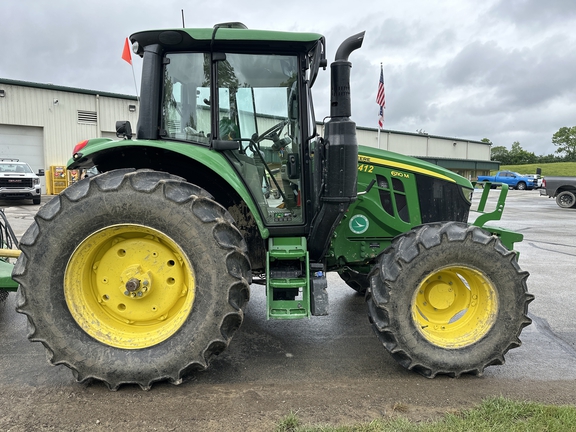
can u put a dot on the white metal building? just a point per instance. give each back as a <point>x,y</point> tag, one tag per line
<point>41,123</point>
<point>468,158</point>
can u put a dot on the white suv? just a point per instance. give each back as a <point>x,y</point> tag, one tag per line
<point>18,181</point>
<point>537,180</point>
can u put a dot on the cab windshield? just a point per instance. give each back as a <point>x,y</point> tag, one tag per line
<point>256,106</point>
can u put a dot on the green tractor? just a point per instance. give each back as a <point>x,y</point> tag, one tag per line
<point>141,273</point>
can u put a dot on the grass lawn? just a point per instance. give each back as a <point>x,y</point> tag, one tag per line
<point>493,415</point>
<point>556,169</point>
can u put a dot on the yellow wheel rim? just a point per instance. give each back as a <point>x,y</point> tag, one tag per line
<point>129,286</point>
<point>455,307</point>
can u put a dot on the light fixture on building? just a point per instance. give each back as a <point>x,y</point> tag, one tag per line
<point>454,144</point>
<point>2,93</point>
<point>132,108</point>
<point>55,101</point>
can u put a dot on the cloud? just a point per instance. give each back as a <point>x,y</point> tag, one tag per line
<point>501,69</point>
<point>527,13</point>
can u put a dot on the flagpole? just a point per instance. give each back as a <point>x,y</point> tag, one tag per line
<point>127,57</point>
<point>135,85</point>
<point>381,101</point>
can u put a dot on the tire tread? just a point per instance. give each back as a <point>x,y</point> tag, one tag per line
<point>382,295</point>
<point>174,189</point>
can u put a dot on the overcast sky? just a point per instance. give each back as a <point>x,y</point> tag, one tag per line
<point>500,69</point>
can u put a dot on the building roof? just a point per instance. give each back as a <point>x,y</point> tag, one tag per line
<point>64,88</point>
<point>422,135</point>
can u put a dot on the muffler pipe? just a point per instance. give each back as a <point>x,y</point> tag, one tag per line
<point>338,163</point>
<point>340,104</point>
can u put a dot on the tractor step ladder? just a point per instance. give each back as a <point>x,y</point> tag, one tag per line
<point>288,278</point>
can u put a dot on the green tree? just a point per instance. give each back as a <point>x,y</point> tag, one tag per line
<point>550,158</point>
<point>519,156</point>
<point>500,154</point>
<point>565,140</point>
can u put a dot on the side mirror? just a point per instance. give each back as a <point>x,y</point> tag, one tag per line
<point>221,145</point>
<point>40,173</point>
<point>318,60</point>
<point>123,129</point>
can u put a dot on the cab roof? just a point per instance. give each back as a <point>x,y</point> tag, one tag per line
<point>228,36</point>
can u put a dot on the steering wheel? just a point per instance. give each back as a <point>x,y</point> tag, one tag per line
<point>273,133</point>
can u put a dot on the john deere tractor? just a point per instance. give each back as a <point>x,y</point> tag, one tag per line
<point>141,273</point>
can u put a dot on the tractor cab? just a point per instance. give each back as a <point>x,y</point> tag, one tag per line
<point>249,108</point>
<point>243,93</point>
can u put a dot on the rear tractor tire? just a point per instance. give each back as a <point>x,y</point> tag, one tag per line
<point>448,298</point>
<point>132,277</point>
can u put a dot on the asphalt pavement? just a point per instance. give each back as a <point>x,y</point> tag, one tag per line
<point>283,358</point>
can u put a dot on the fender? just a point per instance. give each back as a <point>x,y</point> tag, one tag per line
<point>97,150</point>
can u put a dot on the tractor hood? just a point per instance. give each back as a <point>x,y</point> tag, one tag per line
<point>409,163</point>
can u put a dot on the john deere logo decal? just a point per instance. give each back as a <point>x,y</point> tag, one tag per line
<point>359,224</point>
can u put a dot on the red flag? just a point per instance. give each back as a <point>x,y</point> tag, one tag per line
<point>126,55</point>
<point>381,97</point>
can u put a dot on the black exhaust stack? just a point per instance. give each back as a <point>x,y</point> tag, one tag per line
<point>337,160</point>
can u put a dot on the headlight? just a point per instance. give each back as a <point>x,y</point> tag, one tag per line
<point>36,181</point>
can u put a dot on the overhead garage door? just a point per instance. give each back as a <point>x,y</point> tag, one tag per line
<point>25,143</point>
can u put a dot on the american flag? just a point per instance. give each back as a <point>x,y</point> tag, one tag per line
<point>381,97</point>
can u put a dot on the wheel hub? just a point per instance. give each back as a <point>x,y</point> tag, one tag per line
<point>455,306</point>
<point>136,282</point>
<point>441,295</point>
<point>132,285</point>
<point>129,286</point>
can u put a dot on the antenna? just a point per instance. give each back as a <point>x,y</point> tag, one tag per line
<point>183,25</point>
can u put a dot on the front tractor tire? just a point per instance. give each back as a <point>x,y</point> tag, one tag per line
<point>448,298</point>
<point>132,277</point>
